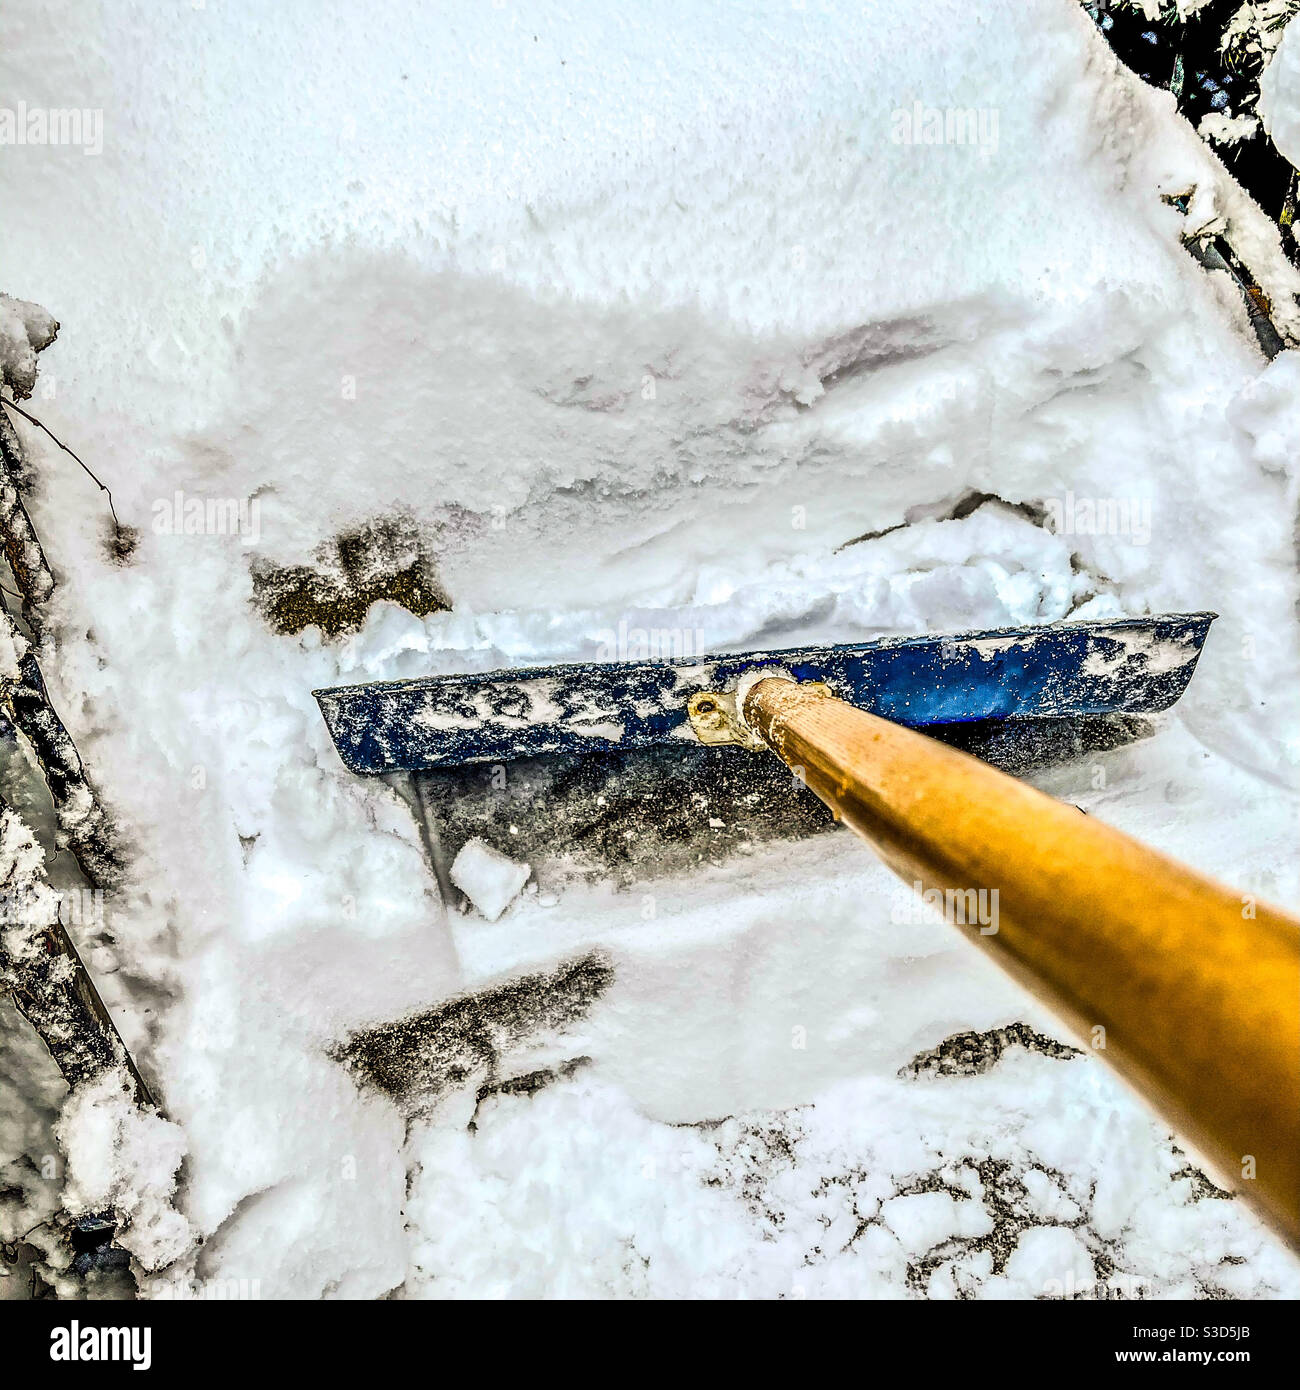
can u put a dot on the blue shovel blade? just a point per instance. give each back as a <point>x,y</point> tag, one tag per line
<point>1126,665</point>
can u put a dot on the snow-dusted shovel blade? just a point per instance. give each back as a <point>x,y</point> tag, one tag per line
<point>1127,665</point>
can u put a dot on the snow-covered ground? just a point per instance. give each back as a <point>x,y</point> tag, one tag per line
<point>625,315</point>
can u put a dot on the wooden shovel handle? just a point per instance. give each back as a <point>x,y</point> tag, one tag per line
<point>1196,987</point>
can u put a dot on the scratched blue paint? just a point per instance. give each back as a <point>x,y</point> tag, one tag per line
<point>1129,665</point>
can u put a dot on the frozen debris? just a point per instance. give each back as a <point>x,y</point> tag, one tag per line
<point>1279,94</point>
<point>489,879</point>
<point>25,330</point>
<point>123,1158</point>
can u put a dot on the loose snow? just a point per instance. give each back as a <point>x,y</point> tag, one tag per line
<point>123,1160</point>
<point>637,317</point>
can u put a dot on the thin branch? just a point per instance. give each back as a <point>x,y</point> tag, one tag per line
<point>102,486</point>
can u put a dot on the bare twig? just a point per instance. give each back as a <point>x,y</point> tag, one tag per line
<point>41,425</point>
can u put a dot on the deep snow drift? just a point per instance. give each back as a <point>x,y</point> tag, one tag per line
<point>665,321</point>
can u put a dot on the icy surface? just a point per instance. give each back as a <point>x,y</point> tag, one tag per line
<point>638,317</point>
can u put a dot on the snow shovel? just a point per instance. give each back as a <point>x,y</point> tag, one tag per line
<point>1190,990</point>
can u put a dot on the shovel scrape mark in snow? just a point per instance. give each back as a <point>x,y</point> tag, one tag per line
<point>384,559</point>
<point>417,1059</point>
<point>528,1084</point>
<point>826,363</point>
<point>946,509</point>
<point>974,1053</point>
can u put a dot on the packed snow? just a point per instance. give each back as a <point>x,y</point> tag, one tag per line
<point>594,316</point>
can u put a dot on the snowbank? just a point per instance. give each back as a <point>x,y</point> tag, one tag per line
<point>1279,94</point>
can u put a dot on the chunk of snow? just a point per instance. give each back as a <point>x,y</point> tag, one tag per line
<point>25,330</point>
<point>489,879</point>
<point>1268,410</point>
<point>389,631</point>
<point>1049,1260</point>
<point>1279,94</point>
<point>123,1158</point>
<point>1226,130</point>
<point>922,1220</point>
